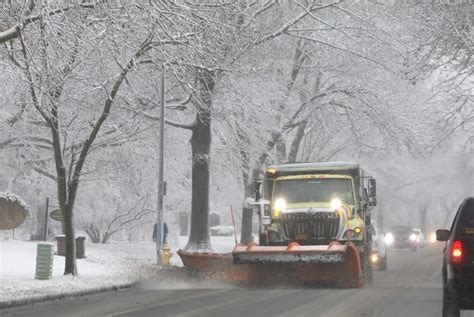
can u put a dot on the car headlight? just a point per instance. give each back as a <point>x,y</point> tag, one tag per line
<point>388,239</point>
<point>412,237</point>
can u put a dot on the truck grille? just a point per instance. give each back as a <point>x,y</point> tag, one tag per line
<point>316,227</point>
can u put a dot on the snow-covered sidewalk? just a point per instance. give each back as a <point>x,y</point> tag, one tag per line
<point>106,265</point>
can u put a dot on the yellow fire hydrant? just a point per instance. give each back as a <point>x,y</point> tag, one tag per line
<point>166,254</point>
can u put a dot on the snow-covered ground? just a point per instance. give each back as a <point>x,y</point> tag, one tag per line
<point>105,265</point>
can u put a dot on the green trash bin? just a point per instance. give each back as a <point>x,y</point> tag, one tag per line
<point>44,261</point>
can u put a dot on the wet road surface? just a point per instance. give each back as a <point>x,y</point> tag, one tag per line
<point>410,287</point>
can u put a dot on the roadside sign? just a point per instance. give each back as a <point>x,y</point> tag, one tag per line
<point>57,215</point>
<point>13,211</point>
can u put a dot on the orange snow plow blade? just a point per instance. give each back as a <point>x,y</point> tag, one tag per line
<point>255,266</point>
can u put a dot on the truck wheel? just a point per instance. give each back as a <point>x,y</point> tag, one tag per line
<point>451,307</point>
<point>263,239</point>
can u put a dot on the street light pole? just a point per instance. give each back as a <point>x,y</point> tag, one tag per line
<point>159,216</point>
<point>46,219</point>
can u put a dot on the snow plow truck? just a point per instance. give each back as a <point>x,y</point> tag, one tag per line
<point>314,226</point>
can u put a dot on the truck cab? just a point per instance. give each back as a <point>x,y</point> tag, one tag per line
<point>315,203</point>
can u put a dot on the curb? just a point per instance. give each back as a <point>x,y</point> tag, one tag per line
<point>52,297</point>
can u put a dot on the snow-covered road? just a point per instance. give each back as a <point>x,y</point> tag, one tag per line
<point>411,287</point>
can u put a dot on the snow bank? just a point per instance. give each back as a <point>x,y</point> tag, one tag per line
<point>105,265</point>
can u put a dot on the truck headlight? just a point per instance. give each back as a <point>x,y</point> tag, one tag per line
<point>336,203</point>
<point>279,207</point>
<point>280,204</point>
<point>388,239</point>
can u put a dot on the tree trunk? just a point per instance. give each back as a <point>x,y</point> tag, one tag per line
<point>105,238</point>
<point>281,150</point>
<point>201,148</point>
<point>246,227</point>
<point>423,212</point>
<point>247,214</point>
<point>40,223</point>
<point>381,216</point>
<point>70,266</point>
<point>295,145</point>
<point>93,232</point>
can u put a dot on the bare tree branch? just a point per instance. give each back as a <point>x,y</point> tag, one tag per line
<point>14,31</point>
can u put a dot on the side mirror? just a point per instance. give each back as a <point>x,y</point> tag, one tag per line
<point>442,235</point>
<point>262,204</point>
<point>249,203</point>
<point>372,187</point>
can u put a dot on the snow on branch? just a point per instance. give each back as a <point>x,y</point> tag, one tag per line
<point>340,48</point>
<point>14,31</point>
<point>313,7</point>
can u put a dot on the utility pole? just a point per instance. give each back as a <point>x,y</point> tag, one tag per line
<point>159,216</point>
<point>46,220</point>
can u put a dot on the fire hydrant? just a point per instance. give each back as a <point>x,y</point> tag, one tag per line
<point>166,254</point>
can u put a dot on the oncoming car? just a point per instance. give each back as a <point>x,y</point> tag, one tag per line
<point>402,237</point>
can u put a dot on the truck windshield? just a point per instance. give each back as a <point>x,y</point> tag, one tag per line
<point>314,190</point>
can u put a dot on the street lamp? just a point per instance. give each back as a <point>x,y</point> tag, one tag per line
<point>161,187</point>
